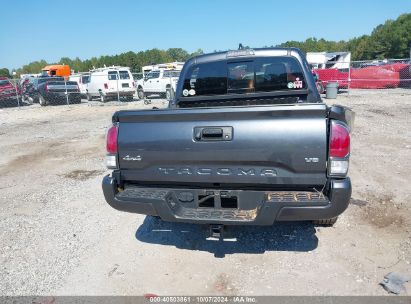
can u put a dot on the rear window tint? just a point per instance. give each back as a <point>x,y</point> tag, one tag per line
<point>282,73</point>
<point>206,79</point>
<point>262,74</point>
<point>62,83</point>
<point>124,75</point>
<point>47,79</point>
<point>112,75</point>
<point>4,82</point>
<point>85,79</point>
<point>240,77</point>
<point>168,74</point>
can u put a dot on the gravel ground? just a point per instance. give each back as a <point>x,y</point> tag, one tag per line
<point>58,236</point>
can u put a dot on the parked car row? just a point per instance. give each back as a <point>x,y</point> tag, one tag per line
<point>108,83</point>
<point>114,82</point>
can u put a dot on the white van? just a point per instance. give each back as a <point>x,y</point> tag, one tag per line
<point>82,80</point>
<point>110,82</point>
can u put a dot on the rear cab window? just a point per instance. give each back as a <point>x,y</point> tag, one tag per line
<point>4,82</point>
<point>171,73</point>
<point>48,79</point>
<point>153,75</point>
<point>262,74</point>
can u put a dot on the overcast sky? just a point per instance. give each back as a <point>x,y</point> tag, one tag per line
<point>46,29</point>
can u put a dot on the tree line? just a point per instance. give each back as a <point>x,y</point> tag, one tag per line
<point>130,59</point>
<point>389,40</point>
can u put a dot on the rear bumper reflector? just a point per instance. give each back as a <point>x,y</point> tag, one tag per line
<point>296,196</point>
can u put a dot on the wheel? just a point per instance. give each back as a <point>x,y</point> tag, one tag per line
<point>34,99</point>
<point>140,93</point>
<point>326,222</point>
<point>24,99</point>
<point>168,93</point>
<point>88,96</point>
<point>42,101</point>
<point>103,98</point>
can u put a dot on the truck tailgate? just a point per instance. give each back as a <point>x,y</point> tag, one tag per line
<point>261,146</point>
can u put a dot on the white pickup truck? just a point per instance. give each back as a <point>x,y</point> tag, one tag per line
<point>160,82</point>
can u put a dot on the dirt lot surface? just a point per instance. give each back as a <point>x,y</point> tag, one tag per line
<point>58,235</point>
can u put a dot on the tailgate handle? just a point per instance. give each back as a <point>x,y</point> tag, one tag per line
<point>213,133</point>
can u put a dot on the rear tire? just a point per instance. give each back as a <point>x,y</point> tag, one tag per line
<point>326,222</point>
<point>42,101</point>
<point>34,99</point>
<point>168,93</point>
<point>140,93</point>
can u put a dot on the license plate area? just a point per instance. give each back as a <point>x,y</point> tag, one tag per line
<point>211,205</point>
<point>217,199</point>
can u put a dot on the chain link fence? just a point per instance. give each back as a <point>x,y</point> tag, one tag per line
<point>381,74</point>
<point>10,93</point>
<point>366,74</point>
<point>112,84</point>
<point>119,84</point>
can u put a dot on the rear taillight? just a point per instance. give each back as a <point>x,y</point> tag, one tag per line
<point>339,140</point>
<point>339,149</point>
<point>111,146</point>
<point>46,87</point>
<point>134,84</point>
<point>106,86</point>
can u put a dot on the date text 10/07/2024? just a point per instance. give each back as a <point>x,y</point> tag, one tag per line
<point>201,299</point>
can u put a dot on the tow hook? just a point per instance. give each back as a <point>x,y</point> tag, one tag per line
<point>216,231</point>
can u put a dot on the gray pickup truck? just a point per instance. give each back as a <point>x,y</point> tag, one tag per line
<point>246,140</point>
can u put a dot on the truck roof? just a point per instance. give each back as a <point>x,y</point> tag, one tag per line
<point>54,67</point>
<point>112,68</point>
<point>247,53</point>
